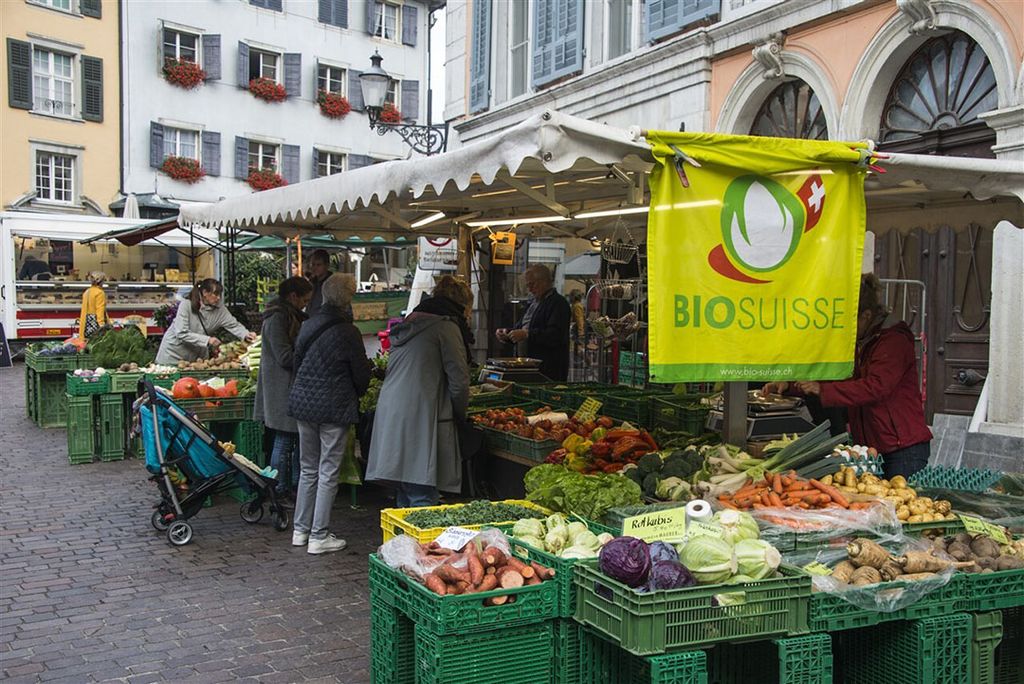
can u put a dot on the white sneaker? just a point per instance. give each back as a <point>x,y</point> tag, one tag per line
<point>300,538</point>
<point>326,545</point>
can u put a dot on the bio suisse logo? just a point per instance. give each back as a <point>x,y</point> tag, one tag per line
<point>762,223</point>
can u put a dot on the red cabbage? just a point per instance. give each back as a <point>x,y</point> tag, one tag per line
<point>663,551</point>
<point>668,574</point>
<point>626,559</point>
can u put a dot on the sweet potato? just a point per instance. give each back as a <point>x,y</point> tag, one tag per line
<point>496,601</point>
<point>451,574</point>
<point>489,583</point>
<point>541,571</point>
<point>476,568</point>
<point>520,567</point>
<point>435,584</point>
<point>494,557</point>
<point>510,579</point>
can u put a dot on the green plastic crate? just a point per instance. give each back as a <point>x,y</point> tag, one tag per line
<point>985,637</point>
<point>567,650</point>
<point>55,364</point>
<point>248,440</point>
<point>515,655</point>
<point>124,383</point>
<point>392,645</point>
<point>81,430</point>
<point>682,619</point>
<point>30,393</point>
<point>928,651</point>
<point>602,662</point>
<point>496,440</point>
<point>51,400</point>
<point>233,374</point>
<point>219,409</point>
<point>533,449</point>
<point>1009,655</point>
<point>112,427</point>
<point>498,399</point>
<point>632,406</point>
<point>466,613</point>
<point>794,660</point>
<point>829,613</point>
<point>679,413</point>
<point>165,380</point>
<point>962,479</point>
<point>77,386</point>
<point>991,591</point>
<point>563,568</point>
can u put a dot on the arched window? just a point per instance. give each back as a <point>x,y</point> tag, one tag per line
<point>944,85</point>
<point>791,111</point>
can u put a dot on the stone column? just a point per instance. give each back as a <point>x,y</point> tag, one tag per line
<point>1006,346</point>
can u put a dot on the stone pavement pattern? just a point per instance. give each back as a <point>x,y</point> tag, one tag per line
<point>89,591</point>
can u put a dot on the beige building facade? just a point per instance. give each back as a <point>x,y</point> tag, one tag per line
<point>60,145</point>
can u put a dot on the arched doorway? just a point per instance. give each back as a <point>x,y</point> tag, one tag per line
<point>792,110</point>
<point>932,108</point>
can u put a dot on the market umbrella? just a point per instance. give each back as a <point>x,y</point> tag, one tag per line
<point>131,207</point>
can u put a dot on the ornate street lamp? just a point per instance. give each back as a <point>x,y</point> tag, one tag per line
<point>429,139</point>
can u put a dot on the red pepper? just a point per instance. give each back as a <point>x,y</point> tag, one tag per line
<point>616,435</point>
<point>599,449</point>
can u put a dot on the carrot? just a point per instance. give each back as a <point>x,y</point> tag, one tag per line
<point>777,484</point>
<point>800,493</point>
<point>758,506</point>
<point>775,500</point>
<point>833,493</point>
<point>786,481</point>
<point>728,505</point>
<point>435,584</point>
<point>768,478</point>
<point>476,568</point>
<point>764,499</point>
<point>793,476</point>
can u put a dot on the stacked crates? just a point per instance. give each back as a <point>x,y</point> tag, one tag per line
<point>96,426</point>
<point>45,386</point>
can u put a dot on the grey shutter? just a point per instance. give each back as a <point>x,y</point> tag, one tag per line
<point>341,13</point>
<point>211,56</point>
<point>293,74</point>
<point>410,29</point>
<point>241,157</point>
<point>274,5</point>
<point>243,65</point>
<point>92,88</point>
<point>290,160</point>
<point>558,40</point>
<point>371,9</point>
<point>410,100</point>
<point>664,17</point>
<point>91,8</point>
<point>211,153</point>
<point>156,144</point>
<point>19,74</point>
<point>316,167</point>
<point>325,11</point>
<point>480,55</point>
<point>333,12</point>
<point>357,161</point>
<point>355,91</point>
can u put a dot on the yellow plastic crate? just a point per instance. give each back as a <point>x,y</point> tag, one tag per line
<point>392,521</point>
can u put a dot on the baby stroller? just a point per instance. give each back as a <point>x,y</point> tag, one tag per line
<point>186,448</point>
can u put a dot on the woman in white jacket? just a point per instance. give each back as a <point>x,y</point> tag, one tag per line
<point>191,335</point>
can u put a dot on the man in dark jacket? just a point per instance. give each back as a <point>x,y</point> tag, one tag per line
<point>544,327</point>
<point>319,272</point>
<point>331,373</point>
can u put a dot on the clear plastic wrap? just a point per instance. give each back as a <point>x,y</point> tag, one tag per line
<point>820,526</point>
<point>405,554</point>
<point>883,597</point>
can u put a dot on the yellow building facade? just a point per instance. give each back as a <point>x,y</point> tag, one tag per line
<point>60,121</point>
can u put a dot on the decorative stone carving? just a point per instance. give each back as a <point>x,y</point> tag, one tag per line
<point>920,12</point>
<point>769,55</point>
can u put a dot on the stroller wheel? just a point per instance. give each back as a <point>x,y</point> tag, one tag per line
<point>281,521</point>
<point>252,511</point>
<point>158,521</point>
<point>179,533</point>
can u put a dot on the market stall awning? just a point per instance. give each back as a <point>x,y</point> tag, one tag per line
<point>271,243</point>
<point>561,175</point>
<point>89,229</point>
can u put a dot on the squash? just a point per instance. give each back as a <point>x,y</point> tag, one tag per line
<point>186,388</point>
<point>206,391</point>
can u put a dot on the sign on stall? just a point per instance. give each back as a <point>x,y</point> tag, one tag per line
<point>975,525</point>
<point>587,410</point>
<point>666,525</point>
<point>754,248</point>
<point>455,538</point>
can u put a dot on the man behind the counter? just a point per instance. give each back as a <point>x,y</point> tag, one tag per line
<point>319,271</point>
<point>544,327</point>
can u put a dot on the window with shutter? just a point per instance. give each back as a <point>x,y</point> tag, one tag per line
<point>92,88</point>
<point>53,83</point>
<point>480,56</point>
<point>355,90</point>
<point>267,4</point>
<point>387,20</point>
<point>328,163</point>
<point>263,64</point>
<point>181,142</point>
<point>557,40</point>
<point>91,8</point>
<point>290,160</point>
<point>261,155</point>
<point>156,144</point>
<point>180,45</point>
<point>410,108</point>
<point>211,153</point>
<point>211,56</point>
<point>293,74</point>
<point>356,161</point>
<point>410,25</point>
<point>241,157</point>
<point>663,18</point>
<point>333,12</point>
<point>618,37</point>
<point>19,74</point>
<point>331,79</point>
<point>243,65</point>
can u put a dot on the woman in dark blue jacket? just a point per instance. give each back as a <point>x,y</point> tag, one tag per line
<point>332,372</point>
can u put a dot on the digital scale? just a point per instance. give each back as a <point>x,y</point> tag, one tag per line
<point>768,417</point>
<point>513,369</point>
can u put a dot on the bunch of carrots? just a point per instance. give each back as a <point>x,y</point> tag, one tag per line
<point>486,570</point>
<point>788,491</point>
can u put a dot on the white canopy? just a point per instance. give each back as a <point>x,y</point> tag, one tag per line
<point>558,166</point>
<point>77,228</point>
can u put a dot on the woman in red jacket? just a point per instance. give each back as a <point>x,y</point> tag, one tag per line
<point>882,398</point>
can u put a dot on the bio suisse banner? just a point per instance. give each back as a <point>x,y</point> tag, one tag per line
<point>754,257</point>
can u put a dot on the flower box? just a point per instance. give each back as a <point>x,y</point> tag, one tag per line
<point>184,169</point>
<point>265,179</point>
<point>390,114</point>
<point>267,89</point>
<point>333,105</point>
<point>183,73</point>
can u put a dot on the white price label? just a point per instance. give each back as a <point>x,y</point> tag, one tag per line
<point>455,538</point>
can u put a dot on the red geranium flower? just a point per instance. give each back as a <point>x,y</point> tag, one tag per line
<point>185,169</point>
<point>333,105</point>
<point>267,89</point>
<point>183,73</point>
<point>390,114</point>
<point>265,179</point>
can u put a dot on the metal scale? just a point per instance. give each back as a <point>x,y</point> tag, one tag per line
<point>768,417</point>
<point>512,369</point>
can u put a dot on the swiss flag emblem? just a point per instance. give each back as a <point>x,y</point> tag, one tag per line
<point>812,194</point>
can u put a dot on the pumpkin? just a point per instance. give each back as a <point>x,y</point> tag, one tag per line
<point>186,388</point>
<point>206,391</point>
<point>231,387</point>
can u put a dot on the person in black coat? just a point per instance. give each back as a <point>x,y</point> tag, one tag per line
<point>332,372</point>
<point>544,328</point>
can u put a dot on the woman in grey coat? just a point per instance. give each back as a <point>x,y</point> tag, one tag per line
<point>281,323</point>
<point>415,443</point>
<point>332,372</point>
<point>192,333</point>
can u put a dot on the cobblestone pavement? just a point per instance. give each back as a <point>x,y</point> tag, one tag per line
<point>89,591</point>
